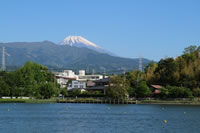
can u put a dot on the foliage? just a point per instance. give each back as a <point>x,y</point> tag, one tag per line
<point>196,92</point>
<point>32,80</point>
<point>179,92</point>
<point>131,92</point>
<point>149,72</point>
<point>63,91</point>
<point>183,72</point>
<point>165,73</point>
<point>163,93</point>
<point>76,92</point>
<point>117,88</point>
<point>4,88</point>
<point>142,90</point>
<point>191,49</point>
<point>134,78</point>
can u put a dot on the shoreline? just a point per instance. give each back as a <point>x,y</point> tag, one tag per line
<point>95,101</point>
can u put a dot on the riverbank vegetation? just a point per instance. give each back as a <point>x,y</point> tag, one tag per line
<point>179,77</point>
<point>31,80</point>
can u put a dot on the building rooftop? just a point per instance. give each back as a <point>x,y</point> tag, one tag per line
<point>156,86</point>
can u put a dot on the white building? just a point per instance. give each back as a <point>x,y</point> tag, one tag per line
<point>89,77</point>
<point>62,82</point>
<point>64,77</point>
<point>67,74</point>
<point>77,85</point>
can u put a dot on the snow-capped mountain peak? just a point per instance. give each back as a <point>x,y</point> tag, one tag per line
<point>78,41</point>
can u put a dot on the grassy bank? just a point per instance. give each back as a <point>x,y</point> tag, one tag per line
<point>173,102</point>
<point>27,101</point>
<point>93,100</point>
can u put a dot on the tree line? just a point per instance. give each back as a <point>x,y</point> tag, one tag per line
<point>179,78</point>
<point>31,80</point>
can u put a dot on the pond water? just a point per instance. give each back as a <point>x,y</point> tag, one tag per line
<point>98,118</point>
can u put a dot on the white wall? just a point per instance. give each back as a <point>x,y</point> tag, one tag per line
<point>77,84</point>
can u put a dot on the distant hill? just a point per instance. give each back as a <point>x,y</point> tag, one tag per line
<point>65,57</point>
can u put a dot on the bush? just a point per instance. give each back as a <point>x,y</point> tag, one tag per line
<point>163,93</point>
<point>196,92</point>
<point>117,88</point>
<point>142,90</point>
<point>76,92</point>
<point>179,92</point>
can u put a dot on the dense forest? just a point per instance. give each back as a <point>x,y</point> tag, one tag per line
<point>179,78</point>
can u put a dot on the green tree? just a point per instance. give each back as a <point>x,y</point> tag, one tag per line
<point>37,81</point>
<point>64,92</point>
<point>33,80</point>
<point>4,88</point>
<point>196,92</point>
<point>163,93</point>
<point>166,72</point>
<point>134,78</point>
<point>191,49</point>
<point>118,88</point>
<point>76,92</point>
<point>179,92</point>
<point>131,92</point>
<point>142,90</point>
<point>149,72</point>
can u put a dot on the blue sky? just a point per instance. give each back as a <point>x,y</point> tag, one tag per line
<point>150,28</point>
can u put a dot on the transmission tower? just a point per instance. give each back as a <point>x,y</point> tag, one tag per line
<point>104,70</point>
<point>140,63</point>
<point>93,71</point>
<point>3,66</point>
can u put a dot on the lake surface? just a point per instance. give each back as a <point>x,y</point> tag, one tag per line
<point>98,118</point>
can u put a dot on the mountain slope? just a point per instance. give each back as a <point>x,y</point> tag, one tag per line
<point>80,42</point>
<point>64,56</point>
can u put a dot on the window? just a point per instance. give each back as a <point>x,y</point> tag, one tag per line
<point>75,86</point>
<point>81,86</point>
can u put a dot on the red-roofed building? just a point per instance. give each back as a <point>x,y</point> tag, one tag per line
<point>155,89</point>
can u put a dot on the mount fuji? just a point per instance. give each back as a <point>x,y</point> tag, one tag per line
<point>81,42</point>
<point>74,52</point>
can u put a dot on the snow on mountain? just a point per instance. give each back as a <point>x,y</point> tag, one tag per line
<point>74,40</point>
<point>79,41</point>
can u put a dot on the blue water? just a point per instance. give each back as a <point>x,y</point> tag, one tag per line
<point>98,118</point>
